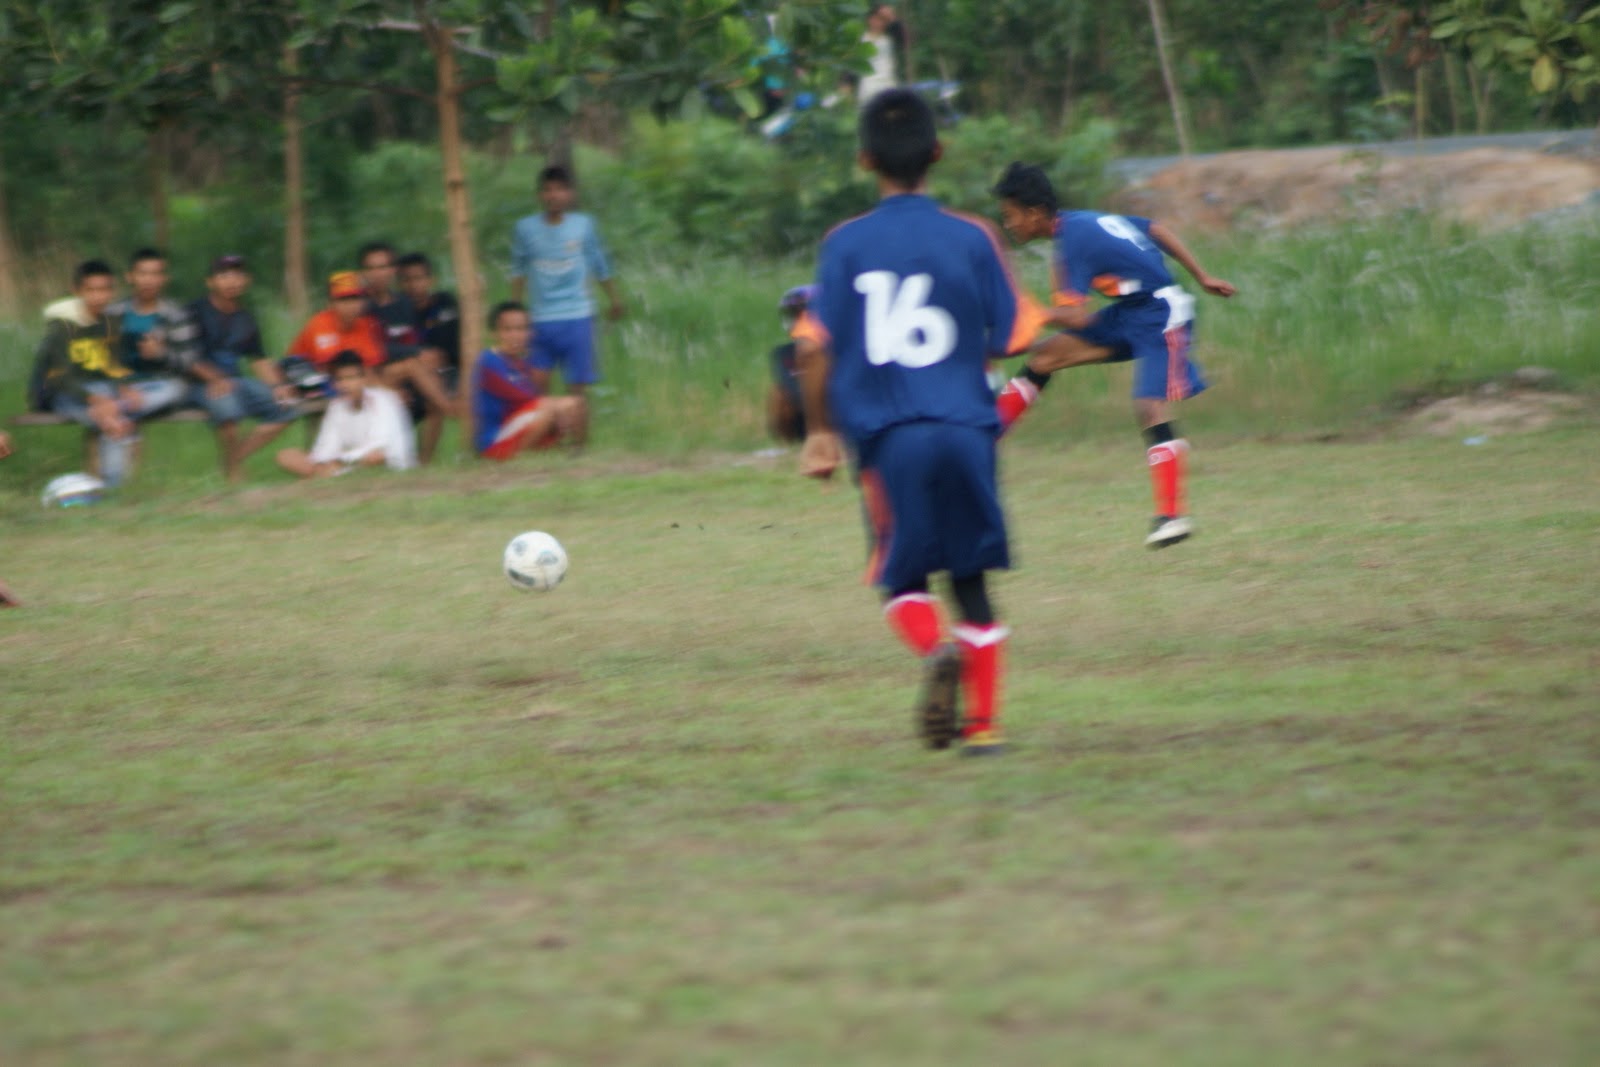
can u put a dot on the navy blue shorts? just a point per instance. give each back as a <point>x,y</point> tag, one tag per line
<point>568,344</point>
<point>1155,333</point>
<point>932,501</point>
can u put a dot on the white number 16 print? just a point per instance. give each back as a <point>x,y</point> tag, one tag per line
<point>902,327</point>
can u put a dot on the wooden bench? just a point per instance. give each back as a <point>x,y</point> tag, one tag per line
<point>308,409</point>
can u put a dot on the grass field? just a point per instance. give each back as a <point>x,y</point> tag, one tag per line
<point>292,776</point>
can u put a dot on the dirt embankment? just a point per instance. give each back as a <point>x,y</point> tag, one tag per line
<point>1270,190</point>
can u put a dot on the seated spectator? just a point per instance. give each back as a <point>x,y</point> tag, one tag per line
<point>158,338</point>
<point>342,326</point>
<point>365,426</point>
<point>412,369</point>
<point>78,376</point>
<point>8,599</point>
<point>511,414</point>
<point>228,343</point>
<point>786,420</point>
<point>436,314</point>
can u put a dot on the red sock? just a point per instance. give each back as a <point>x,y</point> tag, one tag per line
<point>981,667</point>
<point>1018,395</point>
<point>915,619</point>
<point>1166,475</point>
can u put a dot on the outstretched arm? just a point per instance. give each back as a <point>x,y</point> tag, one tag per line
<point>1173,246</point>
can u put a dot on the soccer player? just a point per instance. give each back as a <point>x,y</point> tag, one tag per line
<point>1150,321</point>
<point>912,300</point>
<point>786,420</point>
<point>512,415</point>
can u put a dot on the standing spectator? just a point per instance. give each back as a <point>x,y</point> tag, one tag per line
<point>512,414</point>
<point>880,22</point>
<point>559,251</point>
<point>158,338</point>
<point>365,426</point>
<point>79,376</point>
<point>438,320</point>
<point>8,599</point>
<point>229,347</point>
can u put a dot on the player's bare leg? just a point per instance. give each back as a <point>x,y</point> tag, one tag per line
<point>1166,453</point>
<point>8,599</point>
<point>422,374</point>
<point>261,435</point>
<point>579,435</point>
<point>1059,352</point>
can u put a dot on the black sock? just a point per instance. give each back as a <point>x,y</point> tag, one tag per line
<point>1161,433</point>
<point>1039,380</point>
<point>972,597</point>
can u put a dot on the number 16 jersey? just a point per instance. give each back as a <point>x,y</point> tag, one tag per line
<point>914,299</point>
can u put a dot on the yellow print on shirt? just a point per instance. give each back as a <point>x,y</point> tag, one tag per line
<point>94,354</point>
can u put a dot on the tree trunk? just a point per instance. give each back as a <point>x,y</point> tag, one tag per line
<point>295,289</point>
<point>1452,81</point>
<point>458,210</point>
<point>10,298</point>
<point>158,166</point>
<point>1180,119</point>
<point>1419,102</point>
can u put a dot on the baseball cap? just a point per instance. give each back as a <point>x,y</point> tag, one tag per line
<point>797,299</point>
<point>345,283</point>
<point>225,263</point>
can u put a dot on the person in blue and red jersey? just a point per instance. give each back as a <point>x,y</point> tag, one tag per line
<point>1150,320</point>
<point>911,302</point>
<point>511,413</point>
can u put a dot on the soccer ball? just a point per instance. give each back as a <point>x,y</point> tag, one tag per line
<point>535,560</point>
<point>72,491</point>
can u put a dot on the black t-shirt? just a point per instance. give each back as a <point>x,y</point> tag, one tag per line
<point>439,321</point>
<point>400,333</point>
<point>227,339</point>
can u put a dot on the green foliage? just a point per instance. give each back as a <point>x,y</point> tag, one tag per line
<point>1555,43</point>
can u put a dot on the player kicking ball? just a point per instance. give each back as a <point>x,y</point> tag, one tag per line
<point>1150,320</point>
<point>911,301</point>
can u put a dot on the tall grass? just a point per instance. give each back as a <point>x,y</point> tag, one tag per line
<point>1328,331</point>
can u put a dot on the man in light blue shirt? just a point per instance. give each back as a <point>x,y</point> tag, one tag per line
<point>559,251</point>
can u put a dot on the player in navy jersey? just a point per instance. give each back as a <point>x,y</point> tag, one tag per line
<point>1150,320</point>
<point>911,302</point>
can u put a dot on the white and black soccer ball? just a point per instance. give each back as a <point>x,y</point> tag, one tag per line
<point>535,561</point>
<point>72,491</point>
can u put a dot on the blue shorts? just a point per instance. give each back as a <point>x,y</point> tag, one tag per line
<point>1155,332</point>
<point>250,398</point>
<point>568,344</point>
<point>932,499</point>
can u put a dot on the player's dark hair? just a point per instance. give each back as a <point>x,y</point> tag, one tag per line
<point>91,268</point>
<point>414,259</point>
<point>1027,187</point>
<point>555,172</point>
<point>371,247</point>
<point>502,309</point>
<point>145,255</point>
<point>898,132</point>
<point>345,358</point>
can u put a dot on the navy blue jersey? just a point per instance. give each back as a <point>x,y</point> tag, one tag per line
<point>913,299</point>
<point>1113,255</point>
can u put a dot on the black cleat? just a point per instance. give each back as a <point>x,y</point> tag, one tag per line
<point>937,715</point>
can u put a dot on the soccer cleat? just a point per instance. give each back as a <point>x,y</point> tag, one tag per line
<point>937,716</point>
<point>983,743</point>
<point>1168,530</point>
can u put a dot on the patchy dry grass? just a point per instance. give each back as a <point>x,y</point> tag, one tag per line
<point>291,776</point>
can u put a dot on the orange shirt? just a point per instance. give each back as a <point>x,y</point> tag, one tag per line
<point>324,337</point>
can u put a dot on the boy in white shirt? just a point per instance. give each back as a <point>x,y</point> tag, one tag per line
<point>365,426</point>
